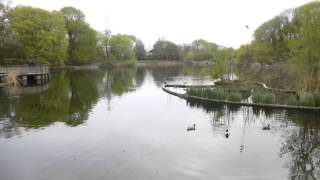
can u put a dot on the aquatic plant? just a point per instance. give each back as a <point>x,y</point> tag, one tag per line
<point>264,97</point>
<point>215,93</point>
<point>292,100</point>
<point>235,96</point>
<point>308,101</point>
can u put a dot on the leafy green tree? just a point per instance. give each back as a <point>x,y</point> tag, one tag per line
<point>306,44</point>
<point>189,56</point>
<point>166,50</point>
<point>82,47</point>
<point>222,60</point>
<point>203,50</point>
<point>122,47</point>
<point>4,15</point>
<point>139,49</point>
<point>39,33</point>
<point>4,35</point>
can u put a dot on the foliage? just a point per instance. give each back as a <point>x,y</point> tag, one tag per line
<point>165,50</point>
<point>292,35</point>
<point>203,50</point>
<point>189,56</point>
<point>222,64</point>
<point>292,100</point>
<point>215,93</point>
<point>234,96</point>
<point>308,101</point>
<point>264,97</point>
<point>82,38</point>
<point>139,50</point>
<point>122,48</point>
<point>39,33</point>
<point>198,50</point>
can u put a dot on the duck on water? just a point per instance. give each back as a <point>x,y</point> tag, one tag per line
<point>191,128</point>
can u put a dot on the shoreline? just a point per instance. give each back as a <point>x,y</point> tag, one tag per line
<point>188,97</point>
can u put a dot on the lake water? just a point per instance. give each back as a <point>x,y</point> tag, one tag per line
<point>119,124</point>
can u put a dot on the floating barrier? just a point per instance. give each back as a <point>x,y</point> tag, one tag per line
<point>187,97</point>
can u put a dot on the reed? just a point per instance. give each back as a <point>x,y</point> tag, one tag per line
<point>215,93</point>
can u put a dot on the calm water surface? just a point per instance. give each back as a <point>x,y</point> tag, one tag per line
<point>119,124</point>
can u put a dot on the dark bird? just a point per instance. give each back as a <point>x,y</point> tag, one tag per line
<point>227,133</point>
<point>267,127</point>
<point>191,128</point>
<point>247,26</point>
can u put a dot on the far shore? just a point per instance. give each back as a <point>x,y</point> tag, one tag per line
<point>138,63</point>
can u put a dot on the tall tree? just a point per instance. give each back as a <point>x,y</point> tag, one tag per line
<point>203,50</point>
<point>82,38</point>
<point>306,44</point>
<point>122,47</point>
<point>166,50</point>
<point>40,33</point>
<point>4,15</point>
<point>139,49</point>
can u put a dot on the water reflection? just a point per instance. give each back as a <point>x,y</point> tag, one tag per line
<point>69,99</point>
<point>145,130</point>
<point>300,133</point>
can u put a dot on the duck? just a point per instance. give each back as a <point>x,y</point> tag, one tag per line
<point>191,128</point>
<point>227,133</point>
<point>267,127</point>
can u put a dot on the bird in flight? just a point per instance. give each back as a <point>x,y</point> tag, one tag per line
<point>247,26</point>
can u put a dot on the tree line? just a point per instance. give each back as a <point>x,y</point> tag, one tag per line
<point>290,41</point>
<point>292,36</point>
<point>59,38</point>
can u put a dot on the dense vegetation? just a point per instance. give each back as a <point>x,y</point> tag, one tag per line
<point>59,38</point>
<point>218,93</point>
<point>292,35</point>
<point>64,37</point>
<point>290,41</point>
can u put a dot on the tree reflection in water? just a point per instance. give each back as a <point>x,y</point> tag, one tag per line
<point>301,146</point>
<point>69,99</point>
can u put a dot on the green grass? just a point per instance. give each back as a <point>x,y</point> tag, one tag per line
<point>308,101</point>
<point>264,98</point>
<point>292,100</point>
<point>234,96</point>
<point>259,96</point>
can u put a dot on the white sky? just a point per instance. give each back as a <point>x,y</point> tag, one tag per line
<point>180,21</point>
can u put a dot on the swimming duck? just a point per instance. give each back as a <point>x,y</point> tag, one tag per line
<point>191,128</point>
<point>227,133</point>
<point>267,127</point>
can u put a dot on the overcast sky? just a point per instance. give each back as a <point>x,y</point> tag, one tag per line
<point>180,21</point>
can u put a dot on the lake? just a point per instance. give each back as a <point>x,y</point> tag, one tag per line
<point>119,124</point>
